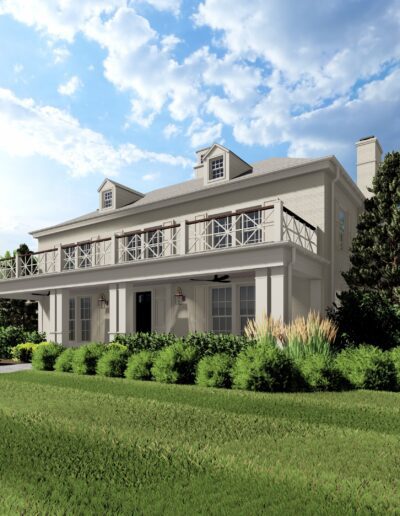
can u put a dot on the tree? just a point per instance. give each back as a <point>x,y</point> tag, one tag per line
<point>17,312</point>
<point>370,310</point>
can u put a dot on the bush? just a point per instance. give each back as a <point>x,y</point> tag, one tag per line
<point>264,367</point>
<point>215,371</point>
<point>395,356</point>
<point>320,373</point>
<point>212,343</point>
<point>63,363</point>
<point>139,366</point>
<point>176,364</point>
<point>10,336</point>
<point>85,358</point>
<point>115,346</point>
<point>23,352</point>
<point>367,367</point>
<point>45,355</point>
<point>112,363</point>
<point>141,341</point>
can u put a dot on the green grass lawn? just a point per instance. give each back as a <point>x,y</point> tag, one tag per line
<point>90,445</point>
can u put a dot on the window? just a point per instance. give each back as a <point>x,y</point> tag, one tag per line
<point>247,296</point>
<point>133,249</point>
<point>86,317</point>
<point>222,232</point>
<point>71,321</point>
<point>107,199</point>
<point>85,255</point>
<point>249,227</point>
<point>69,258</point>
<point>154,243</point>
<point>341,229</point>
<point>216,168</point>
<point>221,310</point>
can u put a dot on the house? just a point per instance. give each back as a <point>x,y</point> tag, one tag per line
<point>210,253</point>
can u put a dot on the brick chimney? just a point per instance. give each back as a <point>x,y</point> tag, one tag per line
<point>369,155</point>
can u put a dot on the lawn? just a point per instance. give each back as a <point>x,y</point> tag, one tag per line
<point>91,445</point>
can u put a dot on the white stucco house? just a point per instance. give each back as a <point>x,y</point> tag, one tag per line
<point>207,254</point>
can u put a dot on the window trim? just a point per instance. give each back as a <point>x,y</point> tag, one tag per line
<point>210,162</point>
<point>105,200</point>
<point>81,319</point>
<point>231,316</point>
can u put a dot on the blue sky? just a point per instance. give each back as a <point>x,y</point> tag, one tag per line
<point>129,89</point>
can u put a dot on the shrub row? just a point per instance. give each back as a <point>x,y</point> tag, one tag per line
<point>258,367</point>
<point>11,336</point>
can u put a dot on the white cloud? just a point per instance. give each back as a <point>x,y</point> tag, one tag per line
<point>170,130</point>
<point>60,54</point>
<point>202,133</point>
<point>169,42</point>
<point>150,177</point>
<point>18,68</point>
<point>29,129</point>
<point>70,87</point>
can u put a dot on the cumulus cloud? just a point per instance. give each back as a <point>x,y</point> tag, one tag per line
<point>202,133</point>
<point>29,129</point>
<point>70,87</point>
<point>171,130</point>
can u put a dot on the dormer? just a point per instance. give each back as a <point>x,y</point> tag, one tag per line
<point>217,164</point>
<point>113,195</point>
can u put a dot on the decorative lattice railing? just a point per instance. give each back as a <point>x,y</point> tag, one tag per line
<point>298,231</point>
<point>87,255</point>
<point>7,268</point>
<point>237,229</point>
<point>152,243</point>
<point>33,264</point>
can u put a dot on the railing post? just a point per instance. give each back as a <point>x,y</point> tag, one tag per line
<point>17,265</point>
<point>114,250</point>
<point>76,256</point>
<point>278,221</point>
<point>59,267</point>
<point>184,236</point>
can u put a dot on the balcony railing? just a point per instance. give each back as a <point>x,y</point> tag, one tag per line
<point>244,228</point>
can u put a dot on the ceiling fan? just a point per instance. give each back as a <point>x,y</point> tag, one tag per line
<point>216,279</point>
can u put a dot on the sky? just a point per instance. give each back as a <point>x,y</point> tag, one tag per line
<point>130,89</point>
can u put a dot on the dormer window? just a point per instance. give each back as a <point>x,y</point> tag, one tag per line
<point>217,168</point>
<point>107,199</point>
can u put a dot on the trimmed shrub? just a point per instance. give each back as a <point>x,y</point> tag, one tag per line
<point>115,346</point>
<point>112,363</point>
<point>23,352</point>
<point>320,373</point>
<point>45,355</point>
<point>208,344</point>
<point>142,341</point>
<point>265,367</point>
<point>85,358</point>
<point>10,336</point>
<point>395,356</point>
<point>215,371</point>
<point>139,366</point>
<point>367,367</point>
<point>176,364</point>
<point>63,363</point>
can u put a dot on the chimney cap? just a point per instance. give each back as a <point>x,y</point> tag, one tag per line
<point>366,138</point>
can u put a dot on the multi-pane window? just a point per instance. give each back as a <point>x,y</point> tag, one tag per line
<point>71,319</point>
<point>249,226</point>
<point>69,258</point>
<point>107,199</point>
<point>154,244</point>
<point>221,310</point>
<point>341,229</point>
<point>85,255</point>
<point>85,317</point>
<point>222,232</point>
<point>133,248</point>
<point>247,302</point>
<point>217,168</point>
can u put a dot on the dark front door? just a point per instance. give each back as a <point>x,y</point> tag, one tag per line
<point>143,311</point>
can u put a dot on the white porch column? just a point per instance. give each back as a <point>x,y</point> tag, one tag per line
<point>125,309</point>
<point>278,221</point>
<point>316,295</point>
<point>113,311</point>
<point>262,281</point>
<point>281,293</point>
<point>59,300</point>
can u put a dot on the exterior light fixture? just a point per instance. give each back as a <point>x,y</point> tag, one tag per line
<point>179,297</point>
<point>102,301</point>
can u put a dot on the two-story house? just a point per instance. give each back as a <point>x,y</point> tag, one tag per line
<point>207,254</point>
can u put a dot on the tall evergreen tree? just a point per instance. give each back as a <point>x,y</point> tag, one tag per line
<point>370,309</point>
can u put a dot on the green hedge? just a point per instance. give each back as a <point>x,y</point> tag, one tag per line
<point>320,373</point>
<point>140,365</point>
<point>215,371</point>
<point>176,364</point>
<point>23,352</point>
<point>140,341</point>
<point>45,356</point>
<point>11,336</point>
<point>112,363</point>
<point>63,363</point>
<point>86,357</point>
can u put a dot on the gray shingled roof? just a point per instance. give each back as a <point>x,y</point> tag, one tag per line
<point>192,185</point>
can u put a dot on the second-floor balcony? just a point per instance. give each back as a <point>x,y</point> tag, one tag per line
<point>252,226</point>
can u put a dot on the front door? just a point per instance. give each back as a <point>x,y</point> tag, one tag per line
<point>143,311</point>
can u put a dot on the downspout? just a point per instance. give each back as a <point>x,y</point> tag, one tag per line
<point>333,233</point>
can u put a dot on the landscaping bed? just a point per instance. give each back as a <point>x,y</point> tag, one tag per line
<point>76,444</point>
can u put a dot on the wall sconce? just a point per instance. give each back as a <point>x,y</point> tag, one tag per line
<point>102,301</point>
<point>179,297</point>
